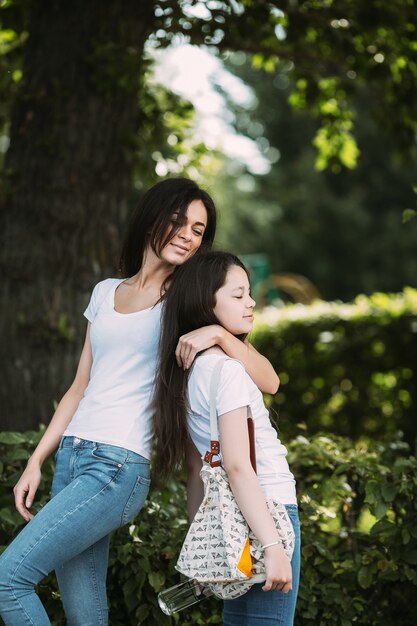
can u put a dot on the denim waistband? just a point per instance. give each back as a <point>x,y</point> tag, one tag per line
<point>291,507</point>
<point>70,441</point>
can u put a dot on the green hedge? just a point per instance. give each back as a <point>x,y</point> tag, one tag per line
<point>349,369</point>
<point>359,527</point>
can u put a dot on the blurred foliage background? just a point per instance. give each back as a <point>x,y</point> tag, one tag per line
<point>348,369</point>
<point>339,225</point>
<point>89,119</point>
<point>91,115</point>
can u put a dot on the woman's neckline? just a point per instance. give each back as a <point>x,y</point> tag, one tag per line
<point>149,308</point>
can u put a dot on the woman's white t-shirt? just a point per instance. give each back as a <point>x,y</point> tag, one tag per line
<point>116,407</point>
<point>236,389</point>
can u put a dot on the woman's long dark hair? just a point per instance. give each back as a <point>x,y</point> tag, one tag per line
<point>152,220</point>
<point>189,304</point>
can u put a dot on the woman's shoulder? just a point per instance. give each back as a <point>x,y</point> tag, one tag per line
<point>104,286</point>
<point>100,294</point>
<point>107,283</point>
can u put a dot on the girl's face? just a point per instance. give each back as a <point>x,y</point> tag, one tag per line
<point>234,305</point>
<point>188,238</point>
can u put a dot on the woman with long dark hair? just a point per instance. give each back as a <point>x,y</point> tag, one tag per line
<point>102,427</point>
<point>211,289</point>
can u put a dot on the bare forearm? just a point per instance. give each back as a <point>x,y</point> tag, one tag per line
<point>59,422</point>
<point>252,503</point>
<point>251,499</point>
<point>257,366</point>
<point>27,485</point>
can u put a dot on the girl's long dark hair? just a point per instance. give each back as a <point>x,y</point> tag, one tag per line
<point>188,305</point>
<point>151,220</point>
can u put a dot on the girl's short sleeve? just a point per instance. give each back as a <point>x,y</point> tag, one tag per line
<point>232,392</point>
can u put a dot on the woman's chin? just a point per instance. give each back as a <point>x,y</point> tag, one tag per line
<point>176,259</point>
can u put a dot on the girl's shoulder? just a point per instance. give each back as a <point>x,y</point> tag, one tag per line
<point>230,368</point>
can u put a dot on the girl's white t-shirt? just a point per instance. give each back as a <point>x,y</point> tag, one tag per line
<point>236,389</point>
<point>116,407</point>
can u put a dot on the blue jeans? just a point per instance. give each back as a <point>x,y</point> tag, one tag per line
<point>96,489</point>
<point>268,608</point>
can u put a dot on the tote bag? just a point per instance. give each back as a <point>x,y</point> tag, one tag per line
<point>220,550</point>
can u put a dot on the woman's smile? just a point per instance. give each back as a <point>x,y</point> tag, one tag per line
<point>181,249</point>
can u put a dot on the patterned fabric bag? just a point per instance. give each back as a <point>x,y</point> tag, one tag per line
<point>220,550</point>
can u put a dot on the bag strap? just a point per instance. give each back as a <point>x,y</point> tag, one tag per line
<point>214,430</point>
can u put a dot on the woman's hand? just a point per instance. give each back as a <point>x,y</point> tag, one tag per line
<point>278,570</point>
<point>25,490</point>
<point>196,341</point>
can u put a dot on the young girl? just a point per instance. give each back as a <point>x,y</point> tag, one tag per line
<point>102,426</point>
<point>213,288</point>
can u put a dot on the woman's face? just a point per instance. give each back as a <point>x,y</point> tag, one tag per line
<point>188,238</point>
<point>234,305</point>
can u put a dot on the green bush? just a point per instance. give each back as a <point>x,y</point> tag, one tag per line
<point>359,532</point>
<point>349,369</point>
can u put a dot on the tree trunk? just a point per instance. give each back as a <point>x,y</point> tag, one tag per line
<point>67,179</point>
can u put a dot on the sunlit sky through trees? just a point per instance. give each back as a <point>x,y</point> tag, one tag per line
<point>200,77</point>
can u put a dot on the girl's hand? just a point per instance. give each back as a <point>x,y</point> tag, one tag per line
<point>25,490</point>
<point>196,341</point>
<point>278,570</point>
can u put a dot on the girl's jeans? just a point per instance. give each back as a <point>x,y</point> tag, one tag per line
<point>268,608</point>
<point>96,489</point>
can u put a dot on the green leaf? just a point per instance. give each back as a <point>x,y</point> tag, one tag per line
<point>373,493</point>
<point>380,509</point>
<point>408,215</point>
<point>12,438</point>
<point>365,577</point>
<point>389,492</point>
<point>143,612</point>
<point>10,517</point>
<point>156,580</point>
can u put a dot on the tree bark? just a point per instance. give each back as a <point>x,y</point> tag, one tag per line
<point>67,180</point>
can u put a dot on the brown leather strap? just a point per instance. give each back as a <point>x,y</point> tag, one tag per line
<point>252,448</point>
<point>215,448</point>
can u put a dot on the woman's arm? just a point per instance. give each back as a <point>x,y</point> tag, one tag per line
<point>250,497</point>
<point>256,365</point>
<point>195,487</point>
<point>28,483</point>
